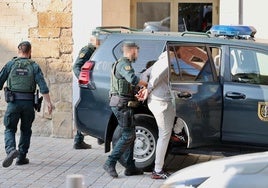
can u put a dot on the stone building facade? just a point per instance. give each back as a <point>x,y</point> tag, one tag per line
<point>47,24</point>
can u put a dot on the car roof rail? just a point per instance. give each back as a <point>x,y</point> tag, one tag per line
<point>115,29</point>
<point>195,33</point>
<point>233,31</point>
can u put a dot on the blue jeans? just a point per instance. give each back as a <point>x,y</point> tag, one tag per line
<point>23,111</point>
<point>124,146</point>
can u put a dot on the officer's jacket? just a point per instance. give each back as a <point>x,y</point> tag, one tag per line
<point>38,76</point>
<point>84,55</point>
<point>123,78</point>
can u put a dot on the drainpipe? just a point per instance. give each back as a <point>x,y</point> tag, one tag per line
<point>240,11</point>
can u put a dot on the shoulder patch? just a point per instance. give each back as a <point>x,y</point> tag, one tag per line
<point>127,68</point>
<point>81,55</point>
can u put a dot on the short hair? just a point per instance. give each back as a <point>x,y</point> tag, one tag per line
<point>130,44</point>
<point>25,46</point>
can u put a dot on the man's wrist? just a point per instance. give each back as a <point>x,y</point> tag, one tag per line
<point>149,90</point>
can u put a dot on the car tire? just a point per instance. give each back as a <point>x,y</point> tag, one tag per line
<point>145,142</point>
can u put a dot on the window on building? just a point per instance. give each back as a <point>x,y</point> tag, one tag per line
<point>153,16</point>
<point>173,16</point>
<point>195,16</point>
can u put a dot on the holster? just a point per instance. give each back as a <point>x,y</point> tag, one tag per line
<point>9,95</point>
<point>118,101</point>
<point>37,101</point>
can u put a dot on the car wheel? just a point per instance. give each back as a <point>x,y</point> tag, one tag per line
<point>145,142</point>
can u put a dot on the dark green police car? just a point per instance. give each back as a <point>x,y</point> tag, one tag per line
<point>219,83</point>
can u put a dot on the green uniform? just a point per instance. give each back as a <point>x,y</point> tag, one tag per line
<point>22,107</point>
<point>84,55</point>
<point>123,81</point>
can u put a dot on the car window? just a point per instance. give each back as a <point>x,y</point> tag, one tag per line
<point>149,50</point>
<point>192,63</point>
<point>249,66</point>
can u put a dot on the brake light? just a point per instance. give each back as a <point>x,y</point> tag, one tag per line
<point>85,77</point>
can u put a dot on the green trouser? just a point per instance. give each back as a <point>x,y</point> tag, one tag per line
<point>19,110</point>
<point>125,145</point>
<point>79,137</point>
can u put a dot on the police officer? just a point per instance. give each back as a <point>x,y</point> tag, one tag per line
<point>123,82</point>
<point>84,55</point>
<point>22,75</point>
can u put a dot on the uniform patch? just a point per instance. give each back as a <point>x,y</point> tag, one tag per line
<point>81,55</point>
<point>128,68</point>
<point>263,111</point>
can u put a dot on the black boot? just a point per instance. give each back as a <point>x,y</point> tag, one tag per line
<point>110,169</point>
<point>22,161</point>
<point>9,158</point>
<point>133,171</point>
<point>82,145</point>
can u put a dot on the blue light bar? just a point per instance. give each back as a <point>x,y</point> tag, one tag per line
<point>232,30</point>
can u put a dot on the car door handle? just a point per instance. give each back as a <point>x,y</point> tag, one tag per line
<point>184,95</point>
<point>235,95</point>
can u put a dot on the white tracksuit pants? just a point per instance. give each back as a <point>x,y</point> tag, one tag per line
<point>164,114</point>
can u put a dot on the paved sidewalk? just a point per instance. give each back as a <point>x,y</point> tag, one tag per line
<point>52,159</point>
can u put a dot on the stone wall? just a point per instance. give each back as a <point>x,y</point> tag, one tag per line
<point>47,24</point>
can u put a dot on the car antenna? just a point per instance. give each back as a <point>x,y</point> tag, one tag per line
<point>185,28</point>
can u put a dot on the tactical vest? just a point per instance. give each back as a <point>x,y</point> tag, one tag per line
<point>119,85</point>
<point>21,76</point>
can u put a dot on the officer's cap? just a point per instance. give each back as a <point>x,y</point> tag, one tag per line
<point>130,44</point>
<point>27,45</point>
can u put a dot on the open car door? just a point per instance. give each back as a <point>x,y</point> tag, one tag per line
<point>197,91</point>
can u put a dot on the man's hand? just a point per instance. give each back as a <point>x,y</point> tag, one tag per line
<point>142,94</point>
<point>50,106</point>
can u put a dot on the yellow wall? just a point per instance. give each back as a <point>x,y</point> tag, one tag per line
<point>116,13</point>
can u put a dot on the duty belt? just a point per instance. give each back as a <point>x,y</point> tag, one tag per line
<point>23,96</point>
<point>123,96</point>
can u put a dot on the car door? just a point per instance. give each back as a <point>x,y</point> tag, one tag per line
<point>197,92</point>
<point>245,114</point>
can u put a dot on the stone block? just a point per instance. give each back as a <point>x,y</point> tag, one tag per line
<point>62,124</point>
<point>54,19</point>
<point>66,48</point>
<point>49,32</point>
<point>67,58</point>
<point>42,126</point>
<point>42,63</point>
<point>64,106</point>
<point>45,48</point>
<point>66,96</point>
<point>64,77</point>
<point>66,33</point>
<point>66,40</point>
<point>54,94</point>
<point>60,5</point>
